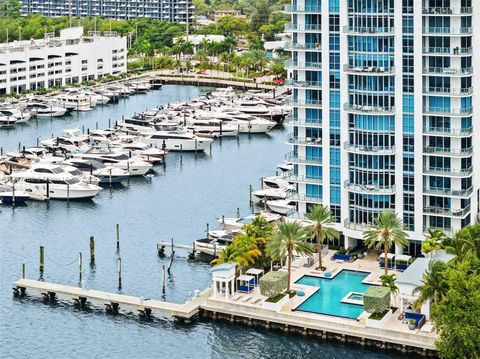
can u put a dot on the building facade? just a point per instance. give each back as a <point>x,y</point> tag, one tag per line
<point>383,115</point>
<point>70,58</point>
<point>168,10</point>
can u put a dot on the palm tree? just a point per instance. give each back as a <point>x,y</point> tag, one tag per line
<point>469,238</point>
<point>242,251</point>
<point>290,237</point>
<point>387,230</point>
<point>435,240</point>
<point>434,285</point>
<point>322,227</point>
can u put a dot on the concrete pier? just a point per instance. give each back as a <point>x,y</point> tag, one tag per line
<point>112,302</point>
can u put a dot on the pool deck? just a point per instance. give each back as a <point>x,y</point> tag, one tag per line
<point>248,308</point>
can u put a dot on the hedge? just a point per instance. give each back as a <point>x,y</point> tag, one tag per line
<point>376,299</point>
<point>273,283</point>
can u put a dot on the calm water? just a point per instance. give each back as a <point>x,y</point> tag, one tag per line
<point>327,299</point>
<point>177,202</point>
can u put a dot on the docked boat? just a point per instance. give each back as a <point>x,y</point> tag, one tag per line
<point>275,182</point>
<point>281,206</point>
<point>20,115</point>
<point>237,223</point>
<point>285,166</point>
<point>177,140</point>
<point>245,123</point>
<point>74,102</point>
<point>215,127</point>
<point>48,181</point>
<point>14,197</point>
<point>105,174</point>
<point>6,121</point>
<point>44,109</point>
<point>268,194</point>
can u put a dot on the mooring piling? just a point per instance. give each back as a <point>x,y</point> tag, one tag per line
<point>163,278</point>
<point>80,269</point>
<point>42,261</point>
<point>119,268</point>
<point>23,270</point>
<point>117,228</point>
<point>92,250</point>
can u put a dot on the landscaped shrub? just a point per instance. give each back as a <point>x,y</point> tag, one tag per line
<point>376,299</point>
<point>273,283</point>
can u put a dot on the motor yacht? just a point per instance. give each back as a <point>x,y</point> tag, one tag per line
<point>213,126</point>
<point>7,121</point>
<point>177,140</point>
<point>49,181</point>
<point>237,223</point>
<point>275,182</point>
<point>285,166</point>
<point>281,206</point>
<point>105,174</point>
<point>245,123</point>
<point>268,194</point>
<point>74,102</point>
<point>44,109</point>
<point>19,114</point>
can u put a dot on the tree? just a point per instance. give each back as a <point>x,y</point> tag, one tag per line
<point>388,281</point>
<point>322,228</point>
<point>457,317</point>
<point>434,240</point>
<point>243,251</point>
<point>434,285</point>
<point>387,230</point>
<point>10,8</point>
<point>277,68</point>
<point>261,15</point>
<point>290,237</point>
<point>469,238</point>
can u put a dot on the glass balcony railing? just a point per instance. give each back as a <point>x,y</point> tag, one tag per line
<point>299,46</point>
<point>368,69</point>
<point>447,10</point>
<point>298,83</point>
<point>447,171</point>
<point>448,50</point>
<point>447,30</point>
<point>448,131</point>
<point>368,109</point>
<point>294,120</point>
<point>448,111</point>
<point>291,177</point>
<point>369,188</point>
<point>303,27</point>
<point>303,8</point>
<point>368,30</point>
<point>307,141</point>
<point>450,212</point>
<point>303,102</point>
<point>302,197</point>
<point>448,90</point>
<point>376,149</point>
<point>357,226</point>
<point>303,65</point>
<point>295,158</point>
<point>448,70</point>
<point>448,151</point>
<point>447,191</point>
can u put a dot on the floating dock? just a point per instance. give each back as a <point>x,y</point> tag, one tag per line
<point>212,81</point>
<point>112,302</point>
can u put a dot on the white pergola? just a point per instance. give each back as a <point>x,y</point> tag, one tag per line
<point>257,273</point>
<point>223,277</point>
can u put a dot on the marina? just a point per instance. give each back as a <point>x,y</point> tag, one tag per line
<point>164,207</point>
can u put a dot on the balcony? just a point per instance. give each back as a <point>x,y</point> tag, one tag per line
<point>292,157</point>
<point>357,226</point>
<point>361,30</point>
<point>448,91</point>
<point>448,131</point>
<point>304,103</point>
<point>303,27</point>
<point>291,177</point>
<point>458,152</point>
<point>307,141</point>
<point>296,46</point>
<point>447,111</point>
<point>293,120</point>
<point>369,189</point>
<point>448,71</point>
<point>447,51</point>
<point>303,65</point>
<point>449,212</point>
<point>368,70</point>
<point>380,150</point>
<point>303,8</point>
<point>447,171</point>
<point>368,109</point>
<point>447,191</point>
<point>298,83</point>
<point>447,10</point>
<point>447,31</point>
<point>302,197</point>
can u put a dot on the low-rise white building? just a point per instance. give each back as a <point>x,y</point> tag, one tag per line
<point>58,61</point>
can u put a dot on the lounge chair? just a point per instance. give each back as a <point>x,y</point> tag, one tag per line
<point>256,301</point>
<point>246,298</point>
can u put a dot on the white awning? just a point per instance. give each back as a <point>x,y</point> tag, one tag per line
<point>254,271</point>
<point>246,278</point>
<point>389,256</point>
<point>402,257</point>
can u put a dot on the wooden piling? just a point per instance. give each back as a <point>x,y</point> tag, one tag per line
<point>208,230</point>
<point>251,190</point>
<point>92,250</point>
<point>119,273</point>
<point>42,260</point>
<point>117,227</point>
<point>80,269</point>
<point>238,212</point>
<point>23,270</point>
<point>163,278</point>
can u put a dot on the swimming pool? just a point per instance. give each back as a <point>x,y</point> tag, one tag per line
<point>327,300</point>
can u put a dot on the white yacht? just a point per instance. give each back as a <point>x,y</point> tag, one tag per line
<point>20,115</point>
<point>7,121</point>
<point>177,140</point>
<point>48,181</point>
<point>245,123</point>
<point>237,223</point>
<point>275,182</point>
<point>105,174</point>
<point>267,194</point>
<point>285,166</point>
<point>44,109</point>
<point>74,102</point>
<point>281,206</point>
<point>216,127</point>
<point>108,156</point>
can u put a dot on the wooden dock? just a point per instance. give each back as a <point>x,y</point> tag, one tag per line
<point>112,302</point>
<point>212,81</point>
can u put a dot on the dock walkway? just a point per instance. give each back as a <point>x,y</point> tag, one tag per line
<point>112,301</point>
<point>211,81</point>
